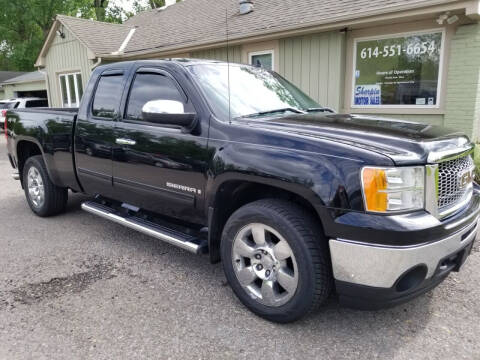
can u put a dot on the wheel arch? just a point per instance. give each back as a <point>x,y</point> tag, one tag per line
<point>25,149</point>
<point>232,194</point>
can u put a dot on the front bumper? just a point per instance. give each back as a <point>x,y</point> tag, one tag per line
<point>372,276</point>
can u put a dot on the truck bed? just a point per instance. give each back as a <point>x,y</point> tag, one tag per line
<point>52,130</point>
<point>48,110</point>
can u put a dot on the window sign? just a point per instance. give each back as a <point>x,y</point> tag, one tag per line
<point>263,59</point>
<point>398,71</point>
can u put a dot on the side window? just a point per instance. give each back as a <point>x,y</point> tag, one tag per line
<point>106,102</point>
<point>147,87</point>
<point>36,103</point>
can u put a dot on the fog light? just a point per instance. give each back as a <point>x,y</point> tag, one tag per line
<point>412,278</point>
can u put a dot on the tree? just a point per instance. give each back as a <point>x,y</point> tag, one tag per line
<point>23,27</point>
<point>156,3</point>
<point>115,14</point>
<point>24,24</point>
<point>100,7</point>
<point>43,12</point>
<point>139,6</point>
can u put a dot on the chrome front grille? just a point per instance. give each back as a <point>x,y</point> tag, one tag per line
<point>450,190</point>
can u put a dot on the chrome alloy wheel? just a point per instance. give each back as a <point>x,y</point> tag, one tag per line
<point>265,265</point>
<point>36,188</point>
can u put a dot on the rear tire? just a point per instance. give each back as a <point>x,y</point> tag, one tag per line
<point>283,274</point>
<point>44,198</point>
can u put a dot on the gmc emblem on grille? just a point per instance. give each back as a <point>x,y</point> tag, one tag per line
<point>466,178</point>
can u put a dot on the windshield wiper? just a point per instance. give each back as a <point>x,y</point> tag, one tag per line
<point>321,109</point>
<point>276,111</point>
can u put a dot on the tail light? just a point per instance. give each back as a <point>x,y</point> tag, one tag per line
<point>4,114</point>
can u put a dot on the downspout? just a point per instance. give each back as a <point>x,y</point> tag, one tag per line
<point>343,70</point>
<point>99,61</point>
<point>45,75</point>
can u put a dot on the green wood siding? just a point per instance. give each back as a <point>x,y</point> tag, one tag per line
<point>463,84</point>
<point>65,55</point>
<point>234,54</point>
<point>316,63</point>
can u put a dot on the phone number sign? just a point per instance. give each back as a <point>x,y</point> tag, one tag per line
<point>401,70</point>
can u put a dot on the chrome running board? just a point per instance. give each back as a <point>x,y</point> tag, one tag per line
<point>173,237</point>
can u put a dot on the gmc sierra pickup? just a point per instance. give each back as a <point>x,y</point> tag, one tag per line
<point>295,200</point>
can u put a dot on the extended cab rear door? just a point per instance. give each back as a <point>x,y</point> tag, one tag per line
<point>94,133</point>
<point>158,167</point>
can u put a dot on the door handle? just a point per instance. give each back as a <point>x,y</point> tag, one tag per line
<point>125,142</point>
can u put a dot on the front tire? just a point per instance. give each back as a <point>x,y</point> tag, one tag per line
<point>276,260</point>
<point>44,198</point>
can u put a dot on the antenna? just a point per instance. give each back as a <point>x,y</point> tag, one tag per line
<point>228,69</point>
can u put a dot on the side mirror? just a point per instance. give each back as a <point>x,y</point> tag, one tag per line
<point>168,112</point>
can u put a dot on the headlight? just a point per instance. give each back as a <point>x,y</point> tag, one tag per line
<point>393,189</point>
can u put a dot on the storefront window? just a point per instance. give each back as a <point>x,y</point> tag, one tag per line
<point>398,71</point>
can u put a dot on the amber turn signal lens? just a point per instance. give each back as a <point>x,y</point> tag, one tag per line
<point>374,187</point>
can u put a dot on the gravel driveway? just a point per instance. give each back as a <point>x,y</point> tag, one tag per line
<point>76,286</point>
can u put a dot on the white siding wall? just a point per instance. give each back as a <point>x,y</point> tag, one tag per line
<point>65,55</point>
<point>315,63</point>
<point>234,54</point>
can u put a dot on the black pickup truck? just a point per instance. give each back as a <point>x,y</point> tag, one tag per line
<point>233,160</point>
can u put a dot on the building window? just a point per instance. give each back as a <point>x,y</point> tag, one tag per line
<point>71,89</point>
<point>398,70</point>
<point>263,59</point>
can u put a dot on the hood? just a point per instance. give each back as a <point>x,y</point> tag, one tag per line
<point>404,142</point>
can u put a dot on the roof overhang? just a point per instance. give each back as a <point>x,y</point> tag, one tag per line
<point>403,13</point>
<point>23,82</point>
<point>40,62</point>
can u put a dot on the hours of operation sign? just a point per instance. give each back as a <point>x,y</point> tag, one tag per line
<point>400,70</point>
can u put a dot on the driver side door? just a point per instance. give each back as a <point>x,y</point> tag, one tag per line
<point>158,167</point>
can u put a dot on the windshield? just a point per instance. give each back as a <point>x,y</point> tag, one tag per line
<point>253,91</point>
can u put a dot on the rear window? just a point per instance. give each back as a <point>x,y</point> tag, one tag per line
<point>36,103</point>
<point>106,102</point>
<point>8,105</point>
